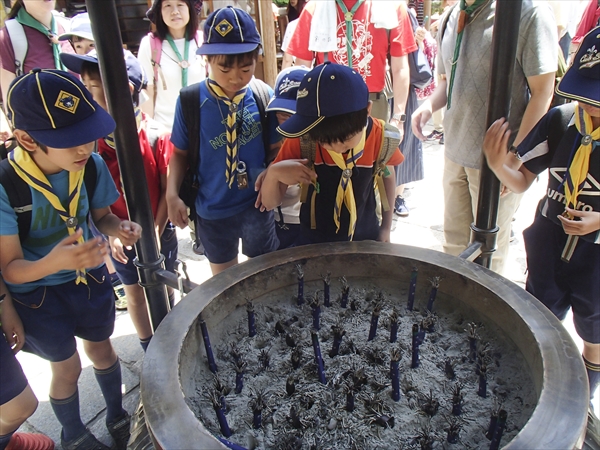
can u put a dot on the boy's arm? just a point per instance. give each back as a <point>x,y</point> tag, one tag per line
<point>177,211</point>
<point>109,224</point>
<point>386,216</point>
<point>507,168</point>
<point>279,176</point>
<point>12,327</point>
<point>64,256</point>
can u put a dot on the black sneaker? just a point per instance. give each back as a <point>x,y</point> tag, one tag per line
<point>87,441</point>
<point>400,207</point>
<point>442,139</point>
<point>119,430</point>
<point>434,135</point>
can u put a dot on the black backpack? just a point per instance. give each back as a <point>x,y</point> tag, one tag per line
<point>190,106</point>
<point>19,192</point>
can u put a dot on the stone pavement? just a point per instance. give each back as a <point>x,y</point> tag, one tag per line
<point>423,228</point>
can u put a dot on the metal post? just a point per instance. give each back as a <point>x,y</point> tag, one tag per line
<point>504,49</point>
<point>105,25</point>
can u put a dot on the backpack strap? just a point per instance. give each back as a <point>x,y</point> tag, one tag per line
<point>389,144</point>
<point>189,97</point>
<point>260,91</point>
<point>19,44</point>
<point>155,55</point>
<point>308,150</point>
<point>19,193</point>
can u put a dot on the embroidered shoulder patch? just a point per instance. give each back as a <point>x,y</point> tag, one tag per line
<point>224,27</point>
<point>67,102</point>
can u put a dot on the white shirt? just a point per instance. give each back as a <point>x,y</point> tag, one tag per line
<point>166,99</point>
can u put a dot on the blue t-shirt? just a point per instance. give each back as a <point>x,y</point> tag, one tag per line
<point>215,199</point>
<point>47,228</point>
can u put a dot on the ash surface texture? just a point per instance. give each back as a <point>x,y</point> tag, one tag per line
<point>299,412</point>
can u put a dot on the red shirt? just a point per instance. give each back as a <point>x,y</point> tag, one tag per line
<point>39,50</point>
<point>154,165</point>
<point>369,44</point>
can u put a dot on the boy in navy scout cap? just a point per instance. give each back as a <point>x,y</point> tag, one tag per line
<point>54,268</point>
<point>232,150</point>
<point>332,110</point>
<point>283,104</point>
<point>156,150</point>
<point>563,243</point>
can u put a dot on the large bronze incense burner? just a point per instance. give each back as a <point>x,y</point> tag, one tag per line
<point>177,358</point>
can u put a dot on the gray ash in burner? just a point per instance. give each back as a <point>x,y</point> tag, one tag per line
<point>271,404</point>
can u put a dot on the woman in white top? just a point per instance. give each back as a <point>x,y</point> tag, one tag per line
<point>169,56</point>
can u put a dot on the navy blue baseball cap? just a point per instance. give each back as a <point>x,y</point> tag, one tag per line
<point>229,31</point>
<point>135,72</point>
<point>286,89</point>
<point>327,90</point>
<point>56,109</point>
<point>582,80</point>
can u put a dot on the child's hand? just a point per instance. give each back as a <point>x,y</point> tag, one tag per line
<point>129,233</point>
<point>68,255</point>
<point>293,171</point>
<point>177,212</point>
<point>589,221</point>
<point>117,250</point>
<point>495,143</point>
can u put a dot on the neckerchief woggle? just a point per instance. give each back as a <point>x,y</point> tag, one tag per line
<point>345,193</point>
<point>348,17</point>
<point>230,128</point>
<point>183,62</point>
<point>29,171</point>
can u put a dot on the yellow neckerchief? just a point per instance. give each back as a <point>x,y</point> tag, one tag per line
<point>110,139</point>
<point>579,167</point>
<point>28,170</point>
<point>345,193</point>
<point>230,127</point>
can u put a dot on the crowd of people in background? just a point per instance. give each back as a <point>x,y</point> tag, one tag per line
<point>297,163</point>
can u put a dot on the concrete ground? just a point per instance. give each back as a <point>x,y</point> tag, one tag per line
<point>423,227</point>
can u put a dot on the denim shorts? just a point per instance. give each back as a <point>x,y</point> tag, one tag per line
<point>12,378</point>
<point>53,315</point>
<point>128,273</point>
<point>221,237</point>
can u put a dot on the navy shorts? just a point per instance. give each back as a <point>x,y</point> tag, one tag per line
<point>128,273</point>
<point>12,378</point>
<point>53,315</point>
<point>221,237</point>
<point>560,285</point>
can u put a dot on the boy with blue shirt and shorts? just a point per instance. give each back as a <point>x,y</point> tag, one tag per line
<point>55,274</point>
<point>563,242</point>
<point>232,150</point>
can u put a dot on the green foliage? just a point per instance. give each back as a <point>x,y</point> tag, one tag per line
<point>281,3</point>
